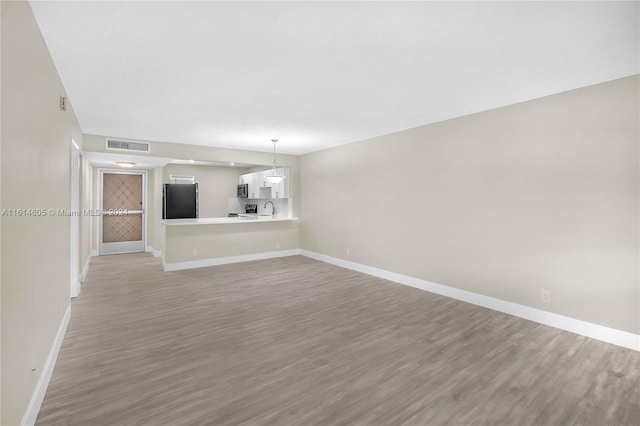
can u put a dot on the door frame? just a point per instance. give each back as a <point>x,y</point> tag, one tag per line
<point>74,208</point>
<point>143,173</point>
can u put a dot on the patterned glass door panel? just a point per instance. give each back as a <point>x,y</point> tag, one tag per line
<point>122,220</point>
<point>116,228</point>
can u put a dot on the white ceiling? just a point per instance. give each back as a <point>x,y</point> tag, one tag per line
<point>320,74</point>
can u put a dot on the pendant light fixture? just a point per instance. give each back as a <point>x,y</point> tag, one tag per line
<point>274,177</point>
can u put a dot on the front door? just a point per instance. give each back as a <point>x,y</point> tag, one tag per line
<point>122,212</point>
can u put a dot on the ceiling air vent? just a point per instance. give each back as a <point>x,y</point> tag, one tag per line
<point>127,145</point>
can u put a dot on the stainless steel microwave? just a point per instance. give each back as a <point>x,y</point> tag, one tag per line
<point>243,191</point>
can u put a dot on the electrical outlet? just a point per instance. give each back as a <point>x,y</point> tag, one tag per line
<point>545,296</point>
<point>194,252</point>
<point>278,245</point>
<point>348,252</point>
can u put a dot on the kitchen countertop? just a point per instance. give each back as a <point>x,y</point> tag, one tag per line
<point>241,218</point>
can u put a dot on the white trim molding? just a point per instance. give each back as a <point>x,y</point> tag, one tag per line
<point>85,270</point>
<point>40,390</point>
<point>74,223</point>
<point>153,251</point>
<point>583,328</point>
<point>202,263</point>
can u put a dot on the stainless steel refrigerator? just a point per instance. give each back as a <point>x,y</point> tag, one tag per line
<point>179,201</point>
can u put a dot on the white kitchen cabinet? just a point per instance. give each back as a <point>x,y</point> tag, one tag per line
<point>259,187</point>
<point>280,189</point>
<point>253,183</point>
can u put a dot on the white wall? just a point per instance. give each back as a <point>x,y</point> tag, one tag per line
<point>36,138</point>
<point>155,230</point>
<point>504,203</point>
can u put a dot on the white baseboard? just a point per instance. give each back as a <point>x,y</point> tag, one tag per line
<point>85,269</point>
<point>594,331</point>
<point>176,266</point>
<point>153,251</point>
<point>40,390</point>
<point>94,253</point>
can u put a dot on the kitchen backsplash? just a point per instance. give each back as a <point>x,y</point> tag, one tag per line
<point>237,205</point>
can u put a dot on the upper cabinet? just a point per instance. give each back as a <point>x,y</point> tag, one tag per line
<point>255,182</point>
<point>280,189</point>
<point>260,187</point>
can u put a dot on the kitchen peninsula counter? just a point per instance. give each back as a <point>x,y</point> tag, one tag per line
<point>201,242</point>
<point>248,218</point>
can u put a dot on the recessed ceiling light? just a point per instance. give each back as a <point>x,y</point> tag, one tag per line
<point>232,164</point>
<point>126,164</point>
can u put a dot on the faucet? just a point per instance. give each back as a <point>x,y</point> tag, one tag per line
<point>273,208</point>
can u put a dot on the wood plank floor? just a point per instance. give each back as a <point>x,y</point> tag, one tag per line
<point>293,341</point>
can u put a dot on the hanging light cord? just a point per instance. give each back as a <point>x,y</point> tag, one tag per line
<point>274,155</point>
